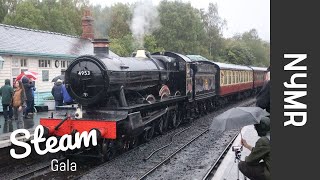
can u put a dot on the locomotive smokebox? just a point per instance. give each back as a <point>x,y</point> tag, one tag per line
<point>101,47</point>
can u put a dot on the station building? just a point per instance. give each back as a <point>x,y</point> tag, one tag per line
<point>47,53</point>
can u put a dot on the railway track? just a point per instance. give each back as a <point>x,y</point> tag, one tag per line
<point>213,168</point>
<point>173,154</point>
<point>40,170</point>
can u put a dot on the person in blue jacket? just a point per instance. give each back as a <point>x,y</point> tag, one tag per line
<point>67,100</point>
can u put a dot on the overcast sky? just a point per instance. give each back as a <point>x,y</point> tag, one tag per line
<point>241,15</point>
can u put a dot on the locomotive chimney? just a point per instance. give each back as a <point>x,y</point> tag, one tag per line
<point>141,53</point>
<point>101,47</point>
<point>87,25</point>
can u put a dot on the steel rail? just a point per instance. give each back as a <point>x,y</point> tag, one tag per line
<point>173,154</point>
<point>216,164</point>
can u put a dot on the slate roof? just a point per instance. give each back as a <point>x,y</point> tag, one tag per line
<point>30,42</point>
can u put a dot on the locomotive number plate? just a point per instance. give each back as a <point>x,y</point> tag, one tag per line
<point>84,73</point>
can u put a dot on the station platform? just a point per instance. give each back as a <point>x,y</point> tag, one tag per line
<point>6,127</point>
<point>228,169</point>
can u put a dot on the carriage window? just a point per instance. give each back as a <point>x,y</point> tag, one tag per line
<point>233,77</point>
<point>238,77</point>
<point>242,76</point>
<point>229,77</point>
<point>246,77</point>
<point>225,78</point>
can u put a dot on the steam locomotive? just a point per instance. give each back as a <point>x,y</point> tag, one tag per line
<point>127,99</point>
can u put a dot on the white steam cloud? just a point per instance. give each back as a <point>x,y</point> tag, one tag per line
<point>145,19</point>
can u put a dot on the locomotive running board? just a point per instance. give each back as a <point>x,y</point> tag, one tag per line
<point>156,104</point>
<point>136,121</point>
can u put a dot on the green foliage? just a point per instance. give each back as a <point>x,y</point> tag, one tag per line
<point>253,46</point>
<point>62,16</point>
<point>123,46</point>
<point>238,53</point>
<point>183,28</point>
<point>26,15</point>
<point>151,44</point>
<point>120,15</point>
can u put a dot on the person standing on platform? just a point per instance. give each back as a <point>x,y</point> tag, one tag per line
<point>19,103</point>
<point>67,100</point>
<point>6,92</point>
<point>57,93</point>
<point>28,87</point>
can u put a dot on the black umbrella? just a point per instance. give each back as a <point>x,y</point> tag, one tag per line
<point>58,77</point>
<point>238,117</point>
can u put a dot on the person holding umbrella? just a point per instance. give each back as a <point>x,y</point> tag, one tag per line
<point>237,118</point>
<point>252,167</point>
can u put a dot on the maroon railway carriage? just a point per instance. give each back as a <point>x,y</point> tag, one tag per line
<point>234,78</point>
<point>259,76</point>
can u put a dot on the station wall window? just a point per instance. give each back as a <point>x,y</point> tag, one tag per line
<point>45,75</point>
<point>23,63</point>
<point>63,64</point>
<point>44,63</point>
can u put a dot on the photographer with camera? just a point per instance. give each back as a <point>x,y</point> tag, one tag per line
<point>252,167</point>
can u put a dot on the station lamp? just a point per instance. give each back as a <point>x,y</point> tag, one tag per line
<point>1,62</point>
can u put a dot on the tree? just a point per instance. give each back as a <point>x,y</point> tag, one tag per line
<point>214,26</point>
<point>26,15</point>
<point>120,15</point>
<point>259,48</point>
<point>122,46</point>
<point>7,6</point>
<point>186,33</point>
<point>237,52</point>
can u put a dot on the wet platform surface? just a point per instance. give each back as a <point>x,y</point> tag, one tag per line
<point>228,169</point>
<point>6,127</point>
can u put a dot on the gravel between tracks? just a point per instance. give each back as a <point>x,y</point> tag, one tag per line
<point>188,164</point>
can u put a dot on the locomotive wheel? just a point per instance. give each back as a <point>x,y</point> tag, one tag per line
<point>148,133</point>
<point>162,124</point>
<point>107,150</point>
<point>176,119</point>
<point>134,142</point>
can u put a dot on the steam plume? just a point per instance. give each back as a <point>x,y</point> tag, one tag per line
<point>145,19</point>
